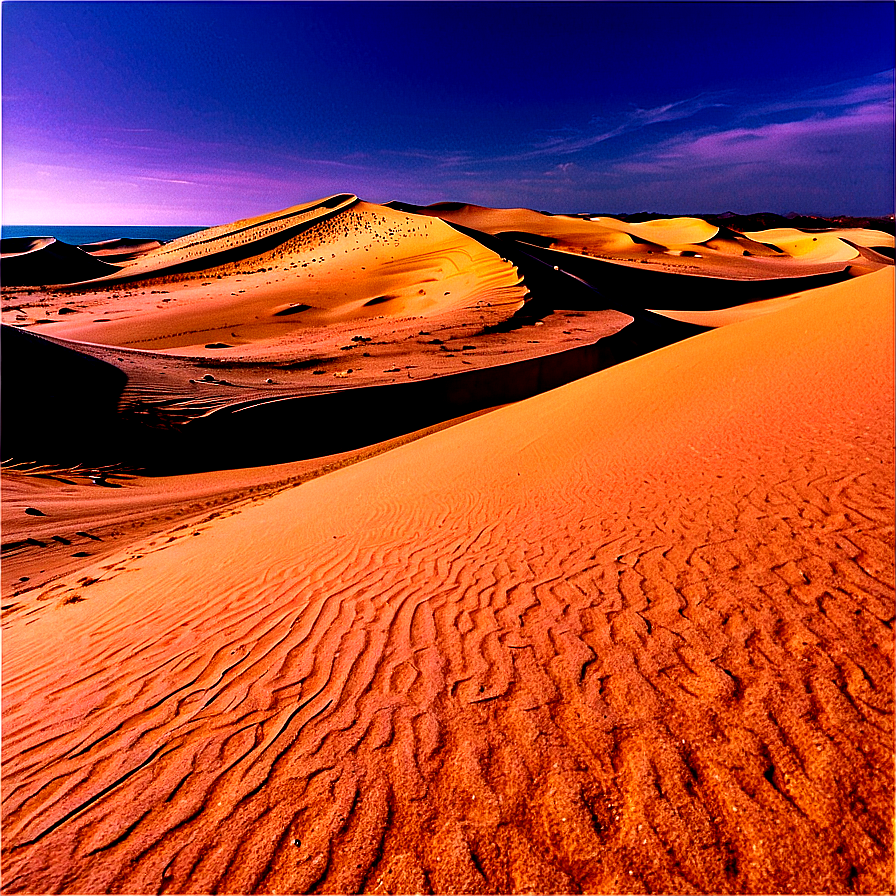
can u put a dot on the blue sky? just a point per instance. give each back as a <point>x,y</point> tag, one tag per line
<point>200,113</point>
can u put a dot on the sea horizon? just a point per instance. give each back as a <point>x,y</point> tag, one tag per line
<point>80,235</point>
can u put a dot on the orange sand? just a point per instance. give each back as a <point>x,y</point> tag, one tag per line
<point>634,634</point>
<point>367,262</point>
<point>724,316</point>
<point>683,245</point>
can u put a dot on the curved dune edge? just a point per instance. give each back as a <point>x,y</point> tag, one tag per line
<point>667,231</point>
<point>358,263</point>
<point>631,634</point>
<point>822,247</point>
<point>121,249</point>
<point>665,239</point>
<point>202,247</point>
<point>13,247</point>
<point>870,239</point>
<point>723,317</point>
<point>46,260</point>
<point>599,232</point>
<point>102,405</point>
<point>101,522</point>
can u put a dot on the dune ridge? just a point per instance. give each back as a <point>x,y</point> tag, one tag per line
<point>385,263</point>
<point>117,411</point>
<point>683,244</point>
<point>208,247</point>
<point>120,248</point>
<point>631,634</point>
<point>46,260</point>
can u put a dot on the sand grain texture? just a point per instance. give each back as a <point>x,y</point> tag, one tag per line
<point>631,635</point>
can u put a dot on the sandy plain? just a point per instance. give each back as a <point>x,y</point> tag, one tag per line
<point>579,597</point>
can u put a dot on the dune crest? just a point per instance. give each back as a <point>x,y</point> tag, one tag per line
<point>684,245</point>
<point>46,260</point>
<point>384,262</point>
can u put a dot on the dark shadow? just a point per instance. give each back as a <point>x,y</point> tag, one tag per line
<point>626,288</point>
<point>55,263</point>
<point>58,404</point>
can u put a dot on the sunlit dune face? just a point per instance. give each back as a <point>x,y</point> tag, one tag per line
<point>683,244</point>
<point>365,262</point>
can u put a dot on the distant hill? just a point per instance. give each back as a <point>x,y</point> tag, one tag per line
<point>768,220</point>
<point>733,220</point>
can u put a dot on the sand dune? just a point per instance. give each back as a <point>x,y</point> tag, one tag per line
<point>234,240</point>
<point>97,511</point>
<point>13,246</point>
<point>796,244</point>
<point>722,317</point>
<point>730,242</point>
<point>361,262</point>
<point>631,634</point>
<point>98,405</point>
<point>666,231</point>
<point>566,231</point>
<point>870,238</point>
<point>682,245</point>
<point>120,249</point>
<point>357,296</point>
<point>46,260</point>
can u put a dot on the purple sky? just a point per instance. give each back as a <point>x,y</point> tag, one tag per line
<point>200,113</point>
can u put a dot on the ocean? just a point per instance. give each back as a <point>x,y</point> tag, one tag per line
<point>79,236</point>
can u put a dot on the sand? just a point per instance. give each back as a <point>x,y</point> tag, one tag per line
<point>675,245</point>
<point>631,634</point>
<point>386,264</point>
<point>722,317</point>
<point>96,512</point>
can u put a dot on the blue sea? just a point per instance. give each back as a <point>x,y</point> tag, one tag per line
<point>79,236</point>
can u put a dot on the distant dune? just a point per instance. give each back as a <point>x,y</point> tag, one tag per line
<point>684,245</point>
<point>45,260</point>
<point>120,249</point>
<point>462,570</point>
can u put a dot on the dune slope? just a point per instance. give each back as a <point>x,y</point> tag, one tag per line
<point>360,262</point>
<point>48,260</point>
<point>683,245</point>
<point>633,634</point>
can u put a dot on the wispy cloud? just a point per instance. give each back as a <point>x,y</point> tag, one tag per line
<point>351,162</point>
<point>564,142</point>
<point>635,120</point>
<point>167,180</point>
<point>877,88</point>
<point>757,129</point>
<point>446,159</point>
<point>841,126</point>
